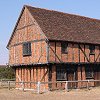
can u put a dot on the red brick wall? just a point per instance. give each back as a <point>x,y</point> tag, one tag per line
<point>80,75</point>
<point>34,74</point>
<point>53,76</point>
<point>27,30</point>
<point>75,54</point>
<point>97,51</point>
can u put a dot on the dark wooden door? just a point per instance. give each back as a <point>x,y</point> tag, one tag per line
<point>71,76</point>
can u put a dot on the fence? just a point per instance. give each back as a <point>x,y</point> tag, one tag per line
<point>5,82</point>
<point>40,86</point>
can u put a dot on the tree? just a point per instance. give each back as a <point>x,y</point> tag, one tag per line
<point>7,73</point>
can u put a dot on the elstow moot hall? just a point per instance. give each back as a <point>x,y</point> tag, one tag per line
<point>49,46</point>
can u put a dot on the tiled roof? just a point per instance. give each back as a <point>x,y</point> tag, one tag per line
<point>67,27</point>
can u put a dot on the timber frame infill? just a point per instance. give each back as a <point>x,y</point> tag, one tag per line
<point>27,41</point>
<point>79,49</point>
<point>48,48</point>
<point>15,28</point>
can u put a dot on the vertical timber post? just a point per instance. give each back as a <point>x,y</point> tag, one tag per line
<point>47,50</point>
<point>38,87</point>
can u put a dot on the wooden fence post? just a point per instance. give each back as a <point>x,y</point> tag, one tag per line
<point>0,83</point>
<point>38,87</point>
<point>9,85</point>
<point>66,86</point>
<point>22,85</point>
<point>88,84</point>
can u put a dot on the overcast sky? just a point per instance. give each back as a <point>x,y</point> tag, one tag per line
<point>10,10</point>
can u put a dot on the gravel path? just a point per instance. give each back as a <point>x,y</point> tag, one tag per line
<point>93,94</point>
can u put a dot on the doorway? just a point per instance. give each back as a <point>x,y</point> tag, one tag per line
<point>71,76</point>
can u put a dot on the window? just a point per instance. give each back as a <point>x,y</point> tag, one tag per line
<point>27,49</point>
<point>92,49</point>
<point>61,73</point>
<point>89,72</point>
<point>64,47</point>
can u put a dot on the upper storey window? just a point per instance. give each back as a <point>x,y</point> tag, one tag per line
<point>27,49</point>
<point>92,49</point>
<point>64,47</point>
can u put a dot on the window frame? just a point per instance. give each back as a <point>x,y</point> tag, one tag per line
<point>27,49</point>
<point>64,47</point>
<point>89,72</point>
<point>62,73</point>
<point>92,49</point>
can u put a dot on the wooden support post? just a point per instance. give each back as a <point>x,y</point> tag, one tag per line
<point>55,54</point>
<point>9,85</point>
<point>48,51</point>
<point>44,76</point>
<point>79,53</point>
<point>84,53</point>
<point>79,76</point>
<point>97,57</point>
<point>72,52</point>
<point>53,77</point>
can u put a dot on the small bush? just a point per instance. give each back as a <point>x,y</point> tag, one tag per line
<point>7,73</point>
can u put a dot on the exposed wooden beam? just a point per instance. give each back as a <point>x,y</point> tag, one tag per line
<point>97,57</point>
<point>79,53</point>
<point>84,53</point>
<point>47,50</point>
<point>55,54</point>
<point>25,26</point>
<point>72,52</point>
<point>28,41</point>
<point>44,76</point>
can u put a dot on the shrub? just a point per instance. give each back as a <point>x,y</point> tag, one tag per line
<point>7,73</point>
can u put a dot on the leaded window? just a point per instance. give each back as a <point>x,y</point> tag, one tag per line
<point>64,47</point>
<point>26,49</point>
<point>92,49</point>
<point>61,73</point>
<point>89,72</point>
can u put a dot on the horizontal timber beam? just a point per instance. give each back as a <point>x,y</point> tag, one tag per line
<point>28,41</point>
<point>53,63</point>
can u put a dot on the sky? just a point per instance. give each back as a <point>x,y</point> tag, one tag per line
<point>10,10</point>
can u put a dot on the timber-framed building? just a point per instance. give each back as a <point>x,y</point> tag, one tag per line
<point>49,46</point>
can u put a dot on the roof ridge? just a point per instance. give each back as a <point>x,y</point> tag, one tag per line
<point>64,13</point>
<point>54,22</point>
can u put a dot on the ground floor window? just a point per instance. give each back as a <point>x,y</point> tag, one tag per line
<point>66,73</point>
<point>60,73</point>
<point>89,72</point>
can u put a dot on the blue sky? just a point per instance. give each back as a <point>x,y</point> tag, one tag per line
<point>10,10</point>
